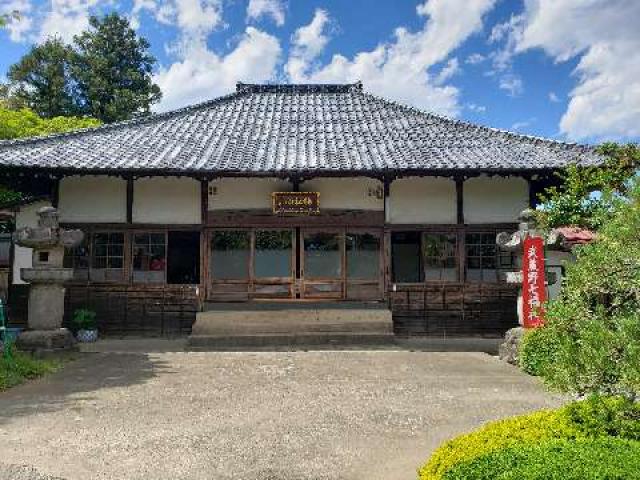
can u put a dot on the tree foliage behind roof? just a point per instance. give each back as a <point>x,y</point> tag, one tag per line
<point>42,80</point>
<point>105,74</point>
<point>26,123</point>
<point>586,196</point>
<point>113,69</point>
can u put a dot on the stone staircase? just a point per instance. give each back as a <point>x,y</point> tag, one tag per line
<point>264,325</point>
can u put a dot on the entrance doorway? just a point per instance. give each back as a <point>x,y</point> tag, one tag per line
<point>295,263</point>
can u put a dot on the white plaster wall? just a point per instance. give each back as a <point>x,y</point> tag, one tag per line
<point>166,200</point>
<point>422,200</point>
<point>94,199</point>
<point>26,216</point>
<point>347,193</point>
<point>245,193</point>
<point>494,199</point>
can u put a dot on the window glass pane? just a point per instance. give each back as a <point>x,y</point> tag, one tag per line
<point>108,257</point>
<point>78,259</point>
<point>484,259</point>
<point>363,256</point>
<point>440,256</point>
<point>406,261</point>
<point>149,259</point>
<point>230,254</point>
<point>273,253</point>
<point>322,257</point>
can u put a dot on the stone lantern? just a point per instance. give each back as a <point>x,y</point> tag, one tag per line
<point>47,277</point>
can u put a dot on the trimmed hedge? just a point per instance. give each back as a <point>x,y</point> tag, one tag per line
<point>537,350</point>
<point>532,428</point>
<point>586,459</point>
<point>599,416</point>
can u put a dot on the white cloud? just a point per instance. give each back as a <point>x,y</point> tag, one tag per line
<point>449,70</point>
<point>512,84</point>
<point>604,35</point>
<point>201,74</point>
<point>518,126</point>
<point>307,43</point>
<point>474,107</point>
<point>400,69</point>
<point>66,19</point>
<point>20,26</point>
<point>553,97</point>
<point>271,8</point>
<point>194,18</point>
<point>475,59</point>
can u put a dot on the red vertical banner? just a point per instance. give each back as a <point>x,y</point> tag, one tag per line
<point>534,292</point>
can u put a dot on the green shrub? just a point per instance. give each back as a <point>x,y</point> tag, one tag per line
<point>595,323</point>
<point>537,350</point>
<point>84,319</point>
<point>599,416</point>
<point>20,366</point>
<point>585,459</point>
<point>495,436</point>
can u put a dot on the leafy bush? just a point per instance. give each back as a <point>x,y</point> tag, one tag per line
<point>495,436</point>
<point>537,350</point>
<point>585,459</point>
<point>19,366</point>
<point>84,319</point>
<point>595,323</point>
<point>599,416</point>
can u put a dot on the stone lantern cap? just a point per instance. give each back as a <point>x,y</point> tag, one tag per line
<point>47,234</point>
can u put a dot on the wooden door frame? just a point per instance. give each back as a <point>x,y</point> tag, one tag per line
<point>380,234</point>
<point>304,280</point>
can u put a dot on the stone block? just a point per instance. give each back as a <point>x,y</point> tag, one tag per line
<point>45,340</point>
<point>46,306</point>
<point>510,348</point>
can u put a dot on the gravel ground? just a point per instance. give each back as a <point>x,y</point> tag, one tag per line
<point>253,416</point>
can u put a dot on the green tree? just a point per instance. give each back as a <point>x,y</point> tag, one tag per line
<point>594,326</point>
<point>587,195</point>
<point>42,80</point>
<point>26,123</point>
<point>113,70</point>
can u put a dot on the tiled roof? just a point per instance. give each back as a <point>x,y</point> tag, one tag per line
<point>271,129</point>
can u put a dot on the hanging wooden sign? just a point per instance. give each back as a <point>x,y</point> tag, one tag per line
<point>534,292</point>
<point>296,203</point>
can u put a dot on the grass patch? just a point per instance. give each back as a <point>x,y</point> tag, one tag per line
<point>20,366</point>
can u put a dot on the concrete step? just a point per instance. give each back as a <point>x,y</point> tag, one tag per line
<point>287,325</point>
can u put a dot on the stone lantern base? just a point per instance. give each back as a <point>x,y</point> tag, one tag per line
<point>46,341</point>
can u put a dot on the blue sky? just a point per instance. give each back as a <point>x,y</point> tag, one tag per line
<point>565,69</point>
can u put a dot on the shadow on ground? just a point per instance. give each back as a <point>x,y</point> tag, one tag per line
<point>86,374</point>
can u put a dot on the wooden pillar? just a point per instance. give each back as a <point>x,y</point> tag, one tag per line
<point>533,194</point>
<point>204,213</point>
<point>204,200</point>
<point>130,181</point>
<point>461,229</point>
<point>55,192</point>
<point>460,200</point>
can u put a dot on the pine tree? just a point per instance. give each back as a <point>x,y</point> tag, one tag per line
<point>113,68</point>
<point>42,80</point>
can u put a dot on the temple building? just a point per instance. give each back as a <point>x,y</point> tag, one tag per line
<point>288,193</point>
